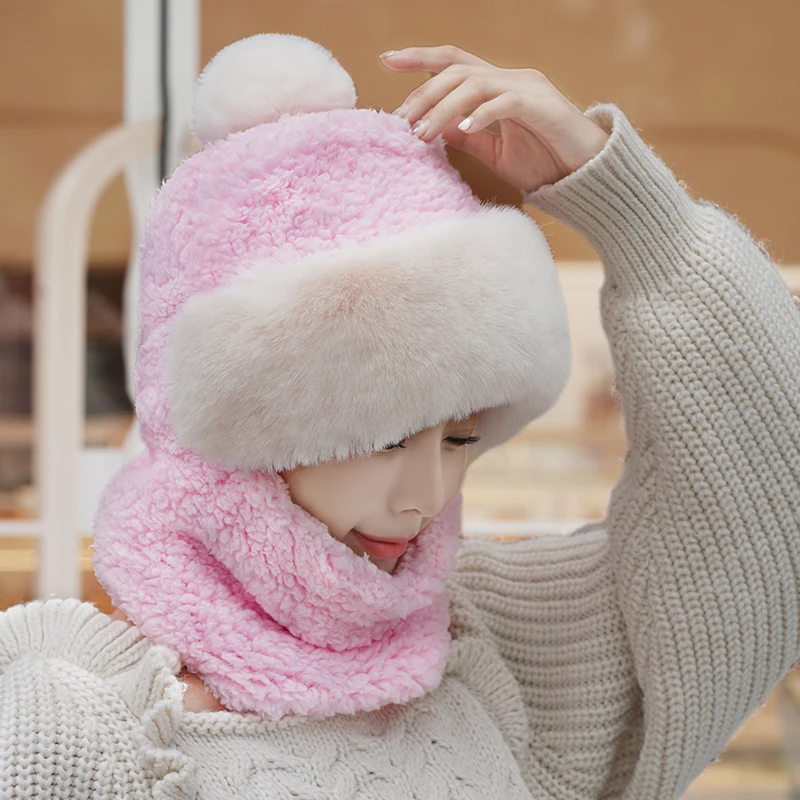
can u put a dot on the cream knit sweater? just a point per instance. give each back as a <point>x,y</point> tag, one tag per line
<point>612,663</point>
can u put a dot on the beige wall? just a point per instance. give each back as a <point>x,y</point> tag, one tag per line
<point>713,84</point>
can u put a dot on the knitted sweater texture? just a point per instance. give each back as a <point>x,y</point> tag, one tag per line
<point>615,662</point>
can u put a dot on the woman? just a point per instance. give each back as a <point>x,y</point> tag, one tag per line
<point>615,662</point>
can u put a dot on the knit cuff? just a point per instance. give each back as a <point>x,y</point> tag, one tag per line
<point>625,201</point>
<point>97,701</point>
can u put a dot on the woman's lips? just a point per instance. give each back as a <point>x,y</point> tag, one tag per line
<point>382,548</point>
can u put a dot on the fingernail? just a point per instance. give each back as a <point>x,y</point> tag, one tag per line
<point>387,54</point>
<point>400,112</point>
<point>420,127</point>
<point>465,125</point>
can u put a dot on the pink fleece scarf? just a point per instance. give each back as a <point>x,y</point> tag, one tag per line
<point>259,600</point>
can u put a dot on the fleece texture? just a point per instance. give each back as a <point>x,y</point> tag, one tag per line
<point>312,287</point>
<point>276,615</point>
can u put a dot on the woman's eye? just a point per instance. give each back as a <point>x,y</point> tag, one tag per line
<point>456,441</point>
<point>460,441</point>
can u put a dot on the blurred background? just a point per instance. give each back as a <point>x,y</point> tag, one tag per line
<point>712,84</point>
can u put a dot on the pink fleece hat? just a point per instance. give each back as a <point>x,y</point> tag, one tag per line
<point>318,283</point>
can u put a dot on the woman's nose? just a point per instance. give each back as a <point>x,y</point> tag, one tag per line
<point>421,486</point>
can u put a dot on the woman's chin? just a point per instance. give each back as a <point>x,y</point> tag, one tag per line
<point>385,564</point>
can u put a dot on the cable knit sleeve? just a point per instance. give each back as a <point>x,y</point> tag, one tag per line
<point>88,708</point>
<point>703,526</point>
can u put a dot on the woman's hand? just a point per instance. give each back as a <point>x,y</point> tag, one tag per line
<point>543,137</point>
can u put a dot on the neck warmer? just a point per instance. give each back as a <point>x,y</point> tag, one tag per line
<point>260,601</point>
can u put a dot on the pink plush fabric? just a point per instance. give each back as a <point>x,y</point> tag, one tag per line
<point>254,594</point>
<point>276,615</point>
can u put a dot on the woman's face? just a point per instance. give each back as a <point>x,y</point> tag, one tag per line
<point>376,504</point>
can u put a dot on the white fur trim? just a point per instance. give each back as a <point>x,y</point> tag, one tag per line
<point>263,77</point>
<point>343,353</point>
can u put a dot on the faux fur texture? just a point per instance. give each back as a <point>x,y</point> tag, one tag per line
<point>275,615</point>
<point>263,77</point>
<point>350,351</point>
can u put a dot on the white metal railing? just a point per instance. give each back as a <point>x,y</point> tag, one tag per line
<point>62,239</point>
<point>69,475</point>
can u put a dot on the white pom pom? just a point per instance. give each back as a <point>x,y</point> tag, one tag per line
<point>263,77</point>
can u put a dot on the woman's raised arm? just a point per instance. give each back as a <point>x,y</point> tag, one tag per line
<point>704,523</point>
